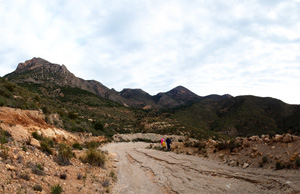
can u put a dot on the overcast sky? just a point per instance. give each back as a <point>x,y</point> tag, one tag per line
<point>236,47</point>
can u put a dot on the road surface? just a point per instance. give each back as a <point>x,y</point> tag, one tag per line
<point>149,171</point>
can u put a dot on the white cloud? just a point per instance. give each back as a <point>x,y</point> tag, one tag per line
<point>235,46</point>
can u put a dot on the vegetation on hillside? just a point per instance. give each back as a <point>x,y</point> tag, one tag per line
<point>78,110</point>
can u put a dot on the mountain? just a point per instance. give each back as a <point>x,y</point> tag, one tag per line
<point>139,98</point>
<point>40,71</point>
<point>176,97</point>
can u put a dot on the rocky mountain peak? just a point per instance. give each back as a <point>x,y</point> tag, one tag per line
<point>31,64</point>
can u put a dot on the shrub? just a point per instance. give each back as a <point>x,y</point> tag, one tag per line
<point>98,126</point>
<point>72,115</point>
<point>279,166</point>
<point>264,159</point>
<point>38,169</point>
<point>57,189</point>
<point>113,175</point>
<point>94,157</point>
<point>45,147</point>
<point>222,145</point>
<point>64,154</point>
<point>4,135</point>
<point>25,176</point>
<point>77,146</point>
<point>37,188</point>
<point>46,110</point>
<point>24,148</point>
<point>35,135</point>
<point>92,144</point>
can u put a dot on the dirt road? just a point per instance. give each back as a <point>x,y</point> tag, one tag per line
<point>147,171</point>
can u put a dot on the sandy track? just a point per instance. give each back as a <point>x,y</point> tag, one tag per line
<point>142,170</point>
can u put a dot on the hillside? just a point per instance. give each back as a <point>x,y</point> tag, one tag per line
<point>239,116</point>
<point>78,105</point>
<point>36,157</point>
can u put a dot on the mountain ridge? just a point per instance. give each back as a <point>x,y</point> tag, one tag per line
<point>41,71</point>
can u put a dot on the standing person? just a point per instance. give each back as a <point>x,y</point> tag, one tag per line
<point>169,141</point>
<point>163,144</point>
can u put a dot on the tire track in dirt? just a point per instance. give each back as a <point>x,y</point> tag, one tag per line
<point>151,175</point>
<point>171,173</point>
<point>267,182</point>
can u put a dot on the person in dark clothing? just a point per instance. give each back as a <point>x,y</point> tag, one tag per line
<point>169,141</point>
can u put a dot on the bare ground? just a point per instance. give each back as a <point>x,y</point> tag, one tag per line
<point>142,170</point>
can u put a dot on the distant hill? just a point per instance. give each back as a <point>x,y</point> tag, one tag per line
<point>240,116</point>
<point>174,98</point>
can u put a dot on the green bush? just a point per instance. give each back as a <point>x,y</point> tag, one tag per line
<point>98,126</point>
<point>92,144</point>
<point>35,135</point>
<point>72,115</point>
<point>77,146</point>
<point>38,169</point>
<point>64,154</point>
<point>57,189</point>
<point>45,147</point>
<point>222,145</point>
<point>264,159</point>
<point>94,157</point>
<point>279,166</point>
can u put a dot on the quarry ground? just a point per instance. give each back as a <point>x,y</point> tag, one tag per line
<point>142,170</point>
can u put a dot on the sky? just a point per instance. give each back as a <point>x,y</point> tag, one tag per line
<point>236,47</point>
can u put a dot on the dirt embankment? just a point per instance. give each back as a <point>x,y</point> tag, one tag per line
<point>21,124</point>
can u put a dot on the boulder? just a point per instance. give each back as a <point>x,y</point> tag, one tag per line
<point>254,138</point>
<point>10,167</point>
<point>278,138</point>
<point>246,143</point>
<point>35,143</point>
<point>266,139</point>
<point>287,138</point>
<point>246,165</point>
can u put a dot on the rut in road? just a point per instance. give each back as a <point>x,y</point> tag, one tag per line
<point>167,172</point>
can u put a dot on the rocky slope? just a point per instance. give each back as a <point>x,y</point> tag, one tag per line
<point>25,167</point>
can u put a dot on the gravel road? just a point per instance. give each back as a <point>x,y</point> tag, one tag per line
<point>147,171</point>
